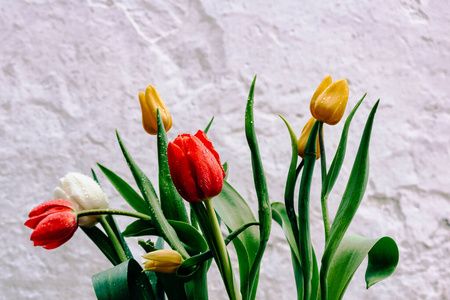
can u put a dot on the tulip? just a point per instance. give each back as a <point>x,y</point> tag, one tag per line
<point>304,138</point>
<point>54,223</point>
<point>84,193</point>
<point>195,167</point>
<point>164,261</point>
<point>329,101</point>
<point>150,102</point>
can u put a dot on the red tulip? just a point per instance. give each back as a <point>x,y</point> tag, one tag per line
<point>54,223</point>
<point>195,167</point>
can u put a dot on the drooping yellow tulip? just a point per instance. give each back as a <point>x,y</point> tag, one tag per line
<point>150,102</point>
<point>164,261</point>
<point>304,138</point>
<point>329,101</point>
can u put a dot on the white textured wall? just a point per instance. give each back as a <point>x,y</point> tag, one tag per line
<point>71,71</point>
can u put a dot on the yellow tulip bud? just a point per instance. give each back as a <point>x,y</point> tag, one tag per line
<point>150,102</point>
<point>304,138</point>
<point>164,261</point>
<point>329,101</point>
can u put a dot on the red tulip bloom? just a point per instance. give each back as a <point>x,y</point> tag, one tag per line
<point>54,223</point>
<point>195,167</point>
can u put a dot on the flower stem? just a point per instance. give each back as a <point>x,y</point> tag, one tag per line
<point>112,212</point>
<point>222,252</point>
<point>323,197</point>
<point>113,238</point>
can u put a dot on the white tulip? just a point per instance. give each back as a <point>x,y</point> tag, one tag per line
<point>84,193</point>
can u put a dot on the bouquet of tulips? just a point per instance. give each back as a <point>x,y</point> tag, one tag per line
<point>190,169</point>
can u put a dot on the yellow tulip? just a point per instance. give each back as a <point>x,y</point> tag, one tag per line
<point>329,101</point>
<point>150,102</point>
<point>304,138</point>
<point>164,261</point>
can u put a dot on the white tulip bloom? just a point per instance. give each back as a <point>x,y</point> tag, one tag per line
<point>84,193</point>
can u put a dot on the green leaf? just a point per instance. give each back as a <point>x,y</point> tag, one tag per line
<point>351,199</point>
<point>127,192</point>
<point>140,228</point>
<point>235,213</point>
<point>298,275</point>
<point>172,285</point>
<point>338,159</point>
<point>383,258</point>
<point>122,282</point>
<point>171,202</point>
<point>264,211</point>
<point>208,126</point>
<point>225,169</point>
<point>149,194</point>
<point>103,243</point>
<point>175,285</point>
<point>197,288</point>
<point>290,185</point>
<point>186,233</point>
<point>280,216</point>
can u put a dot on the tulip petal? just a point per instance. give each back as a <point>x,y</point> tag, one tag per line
<point>54,228</point>
<point>83,192</point>
<point>304,139</point>
<point>34,221</point>
<point>147,122</point>
<point>56,244</point>
<point>330,105</point>
<point>340,89</point>
<point>150,102</point>
<point>202,136</point>
<point>208,170</point>
<point>48,205</point>
<point>322,86</point>
<point>180,171</point>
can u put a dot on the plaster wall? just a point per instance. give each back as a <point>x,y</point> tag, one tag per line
<point>70,73</point>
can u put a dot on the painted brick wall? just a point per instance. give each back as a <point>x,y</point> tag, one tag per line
<point>71,72</point>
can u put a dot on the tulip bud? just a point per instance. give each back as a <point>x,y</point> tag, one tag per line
<point>150,102</point>
<point>195,167</point>
<point>304,138</point>
<point>84,193</point>
<point>164,261</point>
<point>329,101</point>
<point>54,223</point>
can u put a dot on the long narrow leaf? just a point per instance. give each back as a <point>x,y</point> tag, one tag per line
<point>103,243</point>
<point>172,204</point>
<point>149,194</point>
<point>208,126</point>
<point>290,184</point>
<point>127,192</point>
<point>264,211</point>
<point>279,215</point>
<point>351,199</point>
<point>338,159</point>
